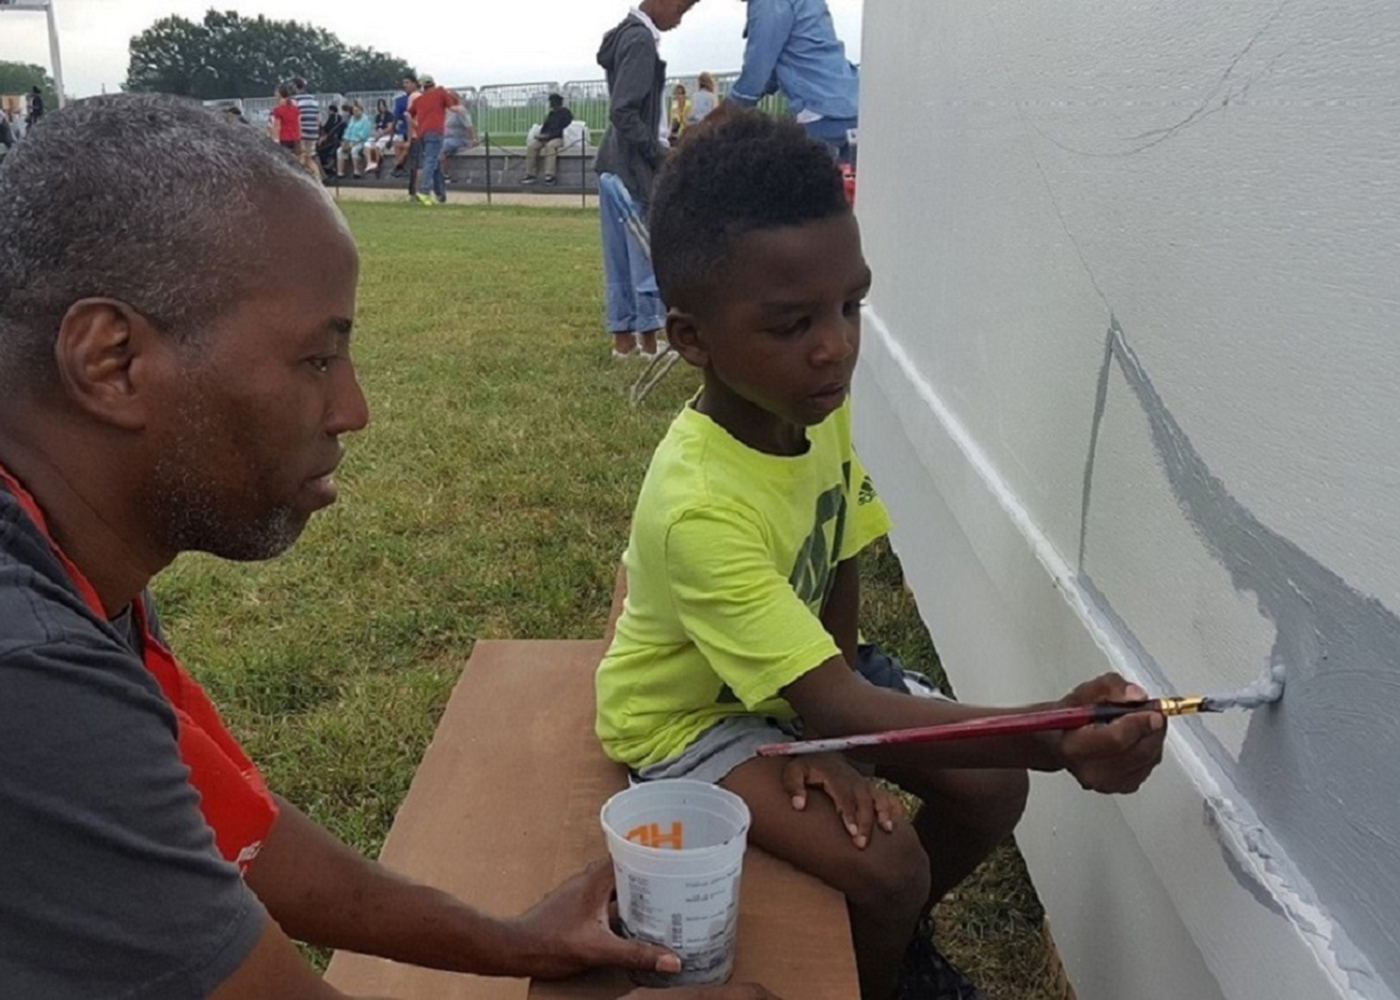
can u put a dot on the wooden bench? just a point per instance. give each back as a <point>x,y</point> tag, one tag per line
<point>505,806</point>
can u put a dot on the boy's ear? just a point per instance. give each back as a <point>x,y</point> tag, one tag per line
<point>683,333</point>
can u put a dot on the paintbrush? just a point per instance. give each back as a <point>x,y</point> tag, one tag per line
<point>1001,725</point>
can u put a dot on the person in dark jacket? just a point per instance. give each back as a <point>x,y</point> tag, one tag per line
<point>627,163</point>
<point>36,107</point>
<point>550,139</point>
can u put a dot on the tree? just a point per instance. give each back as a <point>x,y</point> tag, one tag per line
<point>17,78</point>
<point>227,55</point>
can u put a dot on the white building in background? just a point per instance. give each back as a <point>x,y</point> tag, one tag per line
<point>1131,387</point>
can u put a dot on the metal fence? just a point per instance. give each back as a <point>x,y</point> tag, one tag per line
<point>508,110</point>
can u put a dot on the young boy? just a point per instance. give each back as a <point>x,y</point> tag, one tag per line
<point>740,623</point>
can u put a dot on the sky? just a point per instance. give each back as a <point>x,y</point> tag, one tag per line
<point>461,42</point>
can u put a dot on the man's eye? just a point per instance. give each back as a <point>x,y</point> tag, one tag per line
<point>322,365</point>
<point>852,308</point>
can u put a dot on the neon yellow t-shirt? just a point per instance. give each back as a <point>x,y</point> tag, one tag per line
<point>731,557</point>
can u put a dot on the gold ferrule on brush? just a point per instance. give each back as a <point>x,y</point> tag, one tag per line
<point>1180,706</point>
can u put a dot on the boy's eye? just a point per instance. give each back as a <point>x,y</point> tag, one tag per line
<point>791,329</point>
<point>852,308</point>
<point>322,364</point>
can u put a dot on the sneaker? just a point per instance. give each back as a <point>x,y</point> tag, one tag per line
<point>921,687</point>
<point>528,179</point>
<point>442,201</point>
<point>924,974</point>
<point>357,176</point>
<point>422,198</point>
<point>620,356</point>
<point>549,178</point>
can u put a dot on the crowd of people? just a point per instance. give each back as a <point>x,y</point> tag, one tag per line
<point>426,125</point>
<point>349,142</point>
<point>168,383</point>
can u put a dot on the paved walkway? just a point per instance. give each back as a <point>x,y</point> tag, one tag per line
<point>540,200</point>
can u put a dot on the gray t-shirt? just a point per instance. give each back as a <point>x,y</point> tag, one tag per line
<point>110,882</point>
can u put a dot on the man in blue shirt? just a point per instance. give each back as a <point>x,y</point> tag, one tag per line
<point>792,47</point>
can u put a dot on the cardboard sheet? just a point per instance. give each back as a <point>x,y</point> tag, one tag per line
<point>505,806</point>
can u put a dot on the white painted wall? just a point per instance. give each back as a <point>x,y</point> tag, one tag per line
<point>1167,236</point>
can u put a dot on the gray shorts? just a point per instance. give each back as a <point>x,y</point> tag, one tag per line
<point>732,741</point>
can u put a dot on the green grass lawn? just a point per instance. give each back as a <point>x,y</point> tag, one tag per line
<point>489,498</point>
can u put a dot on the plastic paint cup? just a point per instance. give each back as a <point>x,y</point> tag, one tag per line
<point>678,848</point>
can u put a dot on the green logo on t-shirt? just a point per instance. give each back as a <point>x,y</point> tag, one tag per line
<point>816,558</point>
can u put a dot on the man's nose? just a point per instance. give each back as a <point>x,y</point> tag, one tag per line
<point>349,409</point>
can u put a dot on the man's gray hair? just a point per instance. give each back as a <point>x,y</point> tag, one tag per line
<point>143,198</point>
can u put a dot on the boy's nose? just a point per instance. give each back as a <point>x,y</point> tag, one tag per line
<point>835,341</point>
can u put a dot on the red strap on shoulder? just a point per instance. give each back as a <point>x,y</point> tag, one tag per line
<point>233,796</point>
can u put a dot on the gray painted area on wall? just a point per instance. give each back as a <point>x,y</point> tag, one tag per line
<point>1318,767</point>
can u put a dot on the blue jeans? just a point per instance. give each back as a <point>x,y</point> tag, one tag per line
<point>431,178</point>
<point>632,301</point>
<point>834,132</point>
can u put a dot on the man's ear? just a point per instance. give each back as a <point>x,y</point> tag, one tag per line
<point>683,334</point>
<point>103,353</point>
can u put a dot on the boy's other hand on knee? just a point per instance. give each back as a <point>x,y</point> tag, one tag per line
<point>859,801</point>
<point>1119,756</point>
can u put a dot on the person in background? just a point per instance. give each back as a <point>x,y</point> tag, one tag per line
<point>627,161</point>
<point>332,133</point>
<point>36,107</point>
<point>792,46</point>
<point>7,132</point>
<point>458,133</point>
<point>402,137</point>
<point>354,143</point>
<point>382,139</point>
<point>704,101</point>
<point>285,123</point>
<point>680,112</point>
<point>550,139</point>
<point>429,114</point>
<point>310,112</point>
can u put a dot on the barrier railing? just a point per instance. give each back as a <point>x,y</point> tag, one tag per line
<point>508,110</point>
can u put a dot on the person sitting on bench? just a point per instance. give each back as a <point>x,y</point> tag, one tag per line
<point>169,382</point>
<point>550,138</point>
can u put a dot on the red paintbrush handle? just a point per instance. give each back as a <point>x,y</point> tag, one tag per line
<point>996,725</point>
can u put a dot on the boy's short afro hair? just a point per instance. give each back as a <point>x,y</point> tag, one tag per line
<point>747,172</point>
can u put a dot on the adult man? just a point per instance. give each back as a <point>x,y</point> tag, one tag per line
<point>429,116</point>
<point>167,383</point>
<point>792,47</point>
<point>310,111</point>
<point>409,86</point>
<point>628,158</point>
<point>549,138</point>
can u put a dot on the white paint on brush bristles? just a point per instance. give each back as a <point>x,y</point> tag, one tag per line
<point>1264,691</point>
